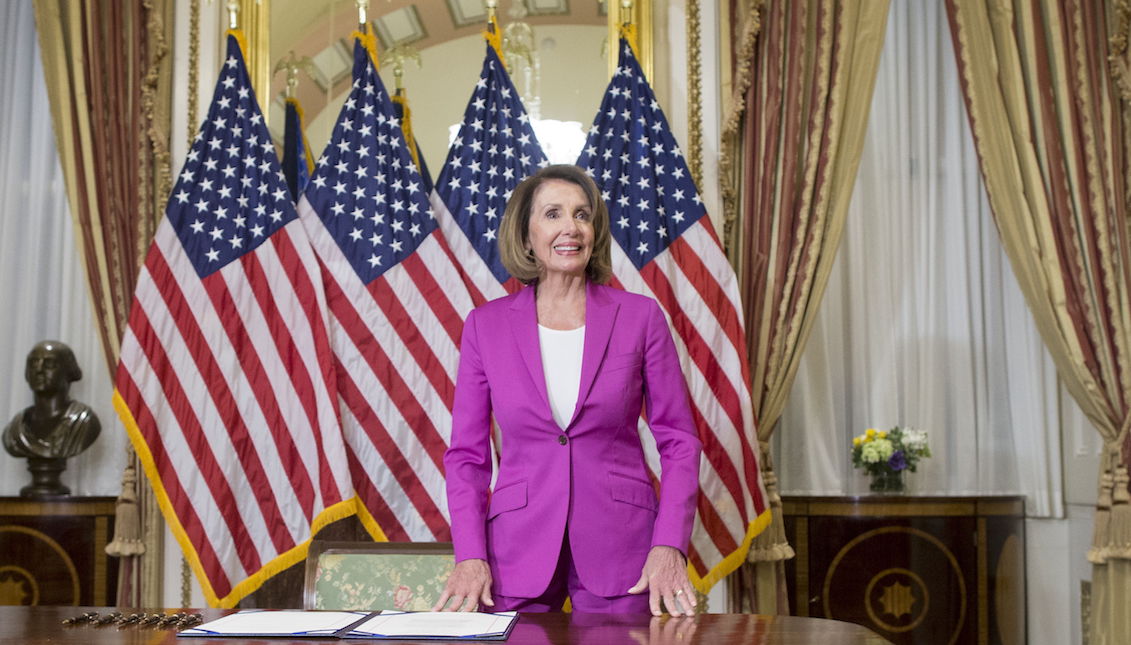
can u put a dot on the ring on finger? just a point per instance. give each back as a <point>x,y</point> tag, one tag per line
<point>678,591</point>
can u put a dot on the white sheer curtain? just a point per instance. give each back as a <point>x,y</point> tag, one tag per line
<point>43,286</point>
<point>923,323</point>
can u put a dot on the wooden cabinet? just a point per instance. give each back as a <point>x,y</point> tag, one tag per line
<point>914,569</point>
<point>53,552</point>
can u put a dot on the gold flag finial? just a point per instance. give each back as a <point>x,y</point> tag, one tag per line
<point>399,55</point>
<point>293,65</point>
<point>233,14</point>
<point>362,15</point>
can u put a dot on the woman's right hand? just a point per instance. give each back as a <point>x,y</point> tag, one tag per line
<point>468,586</point>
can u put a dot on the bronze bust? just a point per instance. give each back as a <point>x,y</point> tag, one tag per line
<point>55,427</point>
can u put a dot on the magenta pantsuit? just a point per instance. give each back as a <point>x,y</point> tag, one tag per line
<point>590,479</point>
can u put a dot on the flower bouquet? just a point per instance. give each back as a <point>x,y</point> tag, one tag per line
<point>886,455</point>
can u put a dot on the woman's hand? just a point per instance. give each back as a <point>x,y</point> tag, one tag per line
<point>665,576</point>
<point>468,586</point>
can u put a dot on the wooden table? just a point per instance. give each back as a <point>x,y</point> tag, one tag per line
<point>42,625</point>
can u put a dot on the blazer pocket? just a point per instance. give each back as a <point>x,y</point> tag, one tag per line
<point>621,361</point>
<point>632,491</point>
<point>508,498</point>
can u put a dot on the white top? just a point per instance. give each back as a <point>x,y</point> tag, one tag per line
<point>561,365</point>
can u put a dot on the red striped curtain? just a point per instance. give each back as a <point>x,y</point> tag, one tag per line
<point>108,70</point>
<point>803,89</point>
<point>1049,124</point>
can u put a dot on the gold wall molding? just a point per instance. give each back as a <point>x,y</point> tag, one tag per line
<point>193,75</point>
<point>694,95</point>
<point>255,22</point>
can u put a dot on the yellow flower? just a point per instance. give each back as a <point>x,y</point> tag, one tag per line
<point>882,434</point>
<point>856,441</point>
<point>870,432</point>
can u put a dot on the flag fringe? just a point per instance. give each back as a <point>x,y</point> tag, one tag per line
<point>732,561</point>
<point>494,37</point>
<point>240,39</point>
<point>247,586</point>
<point>368,40</point>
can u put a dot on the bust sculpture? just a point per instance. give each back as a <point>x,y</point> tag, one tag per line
<point>55,427</point>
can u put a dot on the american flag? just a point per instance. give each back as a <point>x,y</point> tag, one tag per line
<point>225,381</point>
<point>495,149</point>
<point>667,249</point>
<point>397,305</point>
<point>296,151</point>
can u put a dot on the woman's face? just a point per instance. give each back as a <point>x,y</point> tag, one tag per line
<point>560,230</point>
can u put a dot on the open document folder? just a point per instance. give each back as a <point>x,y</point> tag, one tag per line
<point>269,622</point>
<point>257,623</point>
<point>429,625</point>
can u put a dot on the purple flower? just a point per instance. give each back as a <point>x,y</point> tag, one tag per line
<point>897,461</point>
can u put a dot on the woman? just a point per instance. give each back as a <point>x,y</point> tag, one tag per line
<point>565,366</point>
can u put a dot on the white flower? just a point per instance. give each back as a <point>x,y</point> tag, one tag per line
<point>914,440</point>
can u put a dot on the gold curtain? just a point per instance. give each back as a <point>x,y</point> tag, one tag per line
<point>805,72</point>
<point>1050,129</point>
<point>108,70</point>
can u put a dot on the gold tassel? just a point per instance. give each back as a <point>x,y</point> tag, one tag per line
<point>1119,527</point>
<point>127,520</point>
<point>771,545</point>
<point>1097,554</point>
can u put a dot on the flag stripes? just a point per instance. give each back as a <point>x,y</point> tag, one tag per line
<point>666,249</point>
<point>396,303</point>
<point>225,381</point>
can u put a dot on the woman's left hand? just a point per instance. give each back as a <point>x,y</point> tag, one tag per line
<point>665,576</point>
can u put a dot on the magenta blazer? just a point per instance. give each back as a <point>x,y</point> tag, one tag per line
<point>590,479</point>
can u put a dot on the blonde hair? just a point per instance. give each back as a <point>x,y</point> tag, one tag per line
<point>515,227</point>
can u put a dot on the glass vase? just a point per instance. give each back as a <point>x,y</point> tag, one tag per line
<point>887,481</point>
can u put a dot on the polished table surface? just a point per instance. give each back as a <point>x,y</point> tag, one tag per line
<point>43,625</point>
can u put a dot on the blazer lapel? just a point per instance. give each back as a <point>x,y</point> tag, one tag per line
<point>600,314</point>
<point>524,327</point>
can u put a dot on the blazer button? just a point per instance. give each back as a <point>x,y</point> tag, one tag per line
<point>562,439</point>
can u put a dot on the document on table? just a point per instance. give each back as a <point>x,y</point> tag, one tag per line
<point>268,622</point>
<point>429,625</point>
